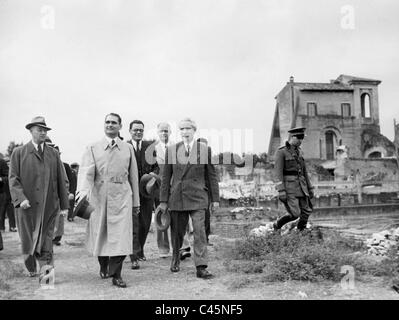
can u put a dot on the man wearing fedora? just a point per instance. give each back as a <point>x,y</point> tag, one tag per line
<point>108,178</point>
<point>187,176</point>
<point>146,164</point>
<point>164,131</point>
<point>38,190</point>
<point>294,186</point>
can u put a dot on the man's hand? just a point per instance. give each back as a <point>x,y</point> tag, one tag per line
<point>214,206</point>
<point>311,194</point>
<point>25,204</point>
<point>282,195</point>
<point>63,212</point>
<point>163,206</point>
<point>136,210</point>
<point>70,196</point>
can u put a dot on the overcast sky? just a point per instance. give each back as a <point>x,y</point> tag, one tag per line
<point>220,62</point>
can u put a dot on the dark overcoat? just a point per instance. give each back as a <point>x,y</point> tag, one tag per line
<point>43,183</point>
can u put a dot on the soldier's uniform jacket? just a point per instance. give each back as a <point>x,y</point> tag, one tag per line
<point>291,171</point>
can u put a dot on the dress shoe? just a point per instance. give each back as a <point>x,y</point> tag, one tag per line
<point>135,265</point>
<point>104,274</point>
<point>57,243</point>
<point>175,265</point>
<point>70,219</point>
<point>203,273</point>
<point>13,229</point>
<point>142,258</point>
<point>184,255</point>
<point>33,274</point>
<point>119,282</point>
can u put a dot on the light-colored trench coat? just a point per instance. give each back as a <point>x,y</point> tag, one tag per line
<point>108,175</point>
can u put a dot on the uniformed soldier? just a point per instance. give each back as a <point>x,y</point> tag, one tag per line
<point>294,187</point>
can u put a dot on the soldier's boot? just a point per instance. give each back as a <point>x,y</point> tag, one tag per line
<point>282,221</point>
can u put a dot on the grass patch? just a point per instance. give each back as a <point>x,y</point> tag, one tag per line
<point>306,256</point>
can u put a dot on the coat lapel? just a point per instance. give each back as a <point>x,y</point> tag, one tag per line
<point>192,160</point>
<point>32,149</point>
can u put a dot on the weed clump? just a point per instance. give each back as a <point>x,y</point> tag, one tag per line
<point>309,255</point>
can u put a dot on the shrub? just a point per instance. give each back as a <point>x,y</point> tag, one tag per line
<point>307,255</point>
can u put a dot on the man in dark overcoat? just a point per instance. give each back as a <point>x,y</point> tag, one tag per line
<point>294,186</point>
<point>188,180</point>
<point>38,190</point>
<point>6,206</point>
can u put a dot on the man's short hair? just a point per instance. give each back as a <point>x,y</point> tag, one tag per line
<point>163,124</point>
<point>137,122</point>
<point>115,115</point>
<point>190,122</point>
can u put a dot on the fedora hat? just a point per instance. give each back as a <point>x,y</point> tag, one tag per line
<point>83,209</point>
<point>161,216</point>
<point>149,185</point>
<point>37,121</point>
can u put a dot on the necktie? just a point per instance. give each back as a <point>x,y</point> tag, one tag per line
<point>188,150</point>
<point>40,148</point>
<point>138,146</point>
<point>112,142</point>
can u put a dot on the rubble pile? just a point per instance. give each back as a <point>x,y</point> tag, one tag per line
<point>268,228</point>
<point>382,241</point>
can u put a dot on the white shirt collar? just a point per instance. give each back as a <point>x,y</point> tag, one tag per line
<point>37,146</point>
<point>190,144</point>
<point>134,142</point>
<point>110,140</point>
<point>164,144</point>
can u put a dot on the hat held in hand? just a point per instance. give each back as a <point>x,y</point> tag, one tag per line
<point>150,185</point>
<point>162,219</point>
<point>83,209</point>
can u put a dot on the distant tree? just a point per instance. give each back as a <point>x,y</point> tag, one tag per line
<point>12,146</point>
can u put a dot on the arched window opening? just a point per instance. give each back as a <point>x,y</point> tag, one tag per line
<point>375,154</point>
<point>365,105</point>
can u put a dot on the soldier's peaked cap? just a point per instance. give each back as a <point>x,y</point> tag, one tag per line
<point>297,131</point>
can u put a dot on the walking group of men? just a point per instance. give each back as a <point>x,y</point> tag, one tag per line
<point>110,177</point>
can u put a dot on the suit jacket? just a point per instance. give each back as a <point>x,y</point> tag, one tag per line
<point>186,182</point>
<point>71,178</point>
<point>42,181</point>
<point>4,176</point>
<point>108,175</point>
<point>146,158</point>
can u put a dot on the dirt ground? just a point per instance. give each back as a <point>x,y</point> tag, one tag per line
<point>77,277</point>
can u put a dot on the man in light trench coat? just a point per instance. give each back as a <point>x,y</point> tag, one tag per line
<point>38,191</point>
<point>108,176</point>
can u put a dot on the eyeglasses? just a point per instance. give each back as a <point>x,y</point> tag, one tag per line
<point>110,122</point>
<point>138,130</point>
